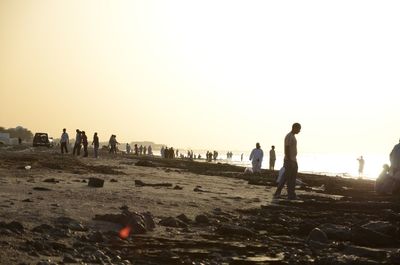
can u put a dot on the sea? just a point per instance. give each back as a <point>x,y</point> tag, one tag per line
<point>337,164</point>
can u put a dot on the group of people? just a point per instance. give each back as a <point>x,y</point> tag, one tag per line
<point>139,150</point>
<point>289,162</point>
<point>80,140</point>
<point>211,156</point>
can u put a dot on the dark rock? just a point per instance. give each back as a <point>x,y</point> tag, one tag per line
<point>27,200</point>
<point>172,222</point>
<point>41,189</point>
<point>140,183</point>
<point>113,180</point>
<point>70,223</point>
<point>139,223</point>
<point>96,237</point>
<point>184,218</point>
<point>230,230</point>
<point>144,163</point>
<point>381,227</point>
<point>13,226</point>
<point>369,238</point>
<point>318,235</point>
<point>336,232</point>
<point>96,182</point>
<point>43,228</point>
<point>177,187</point>
<point>69,259</point>
<point>202,219</point>
<point>51,180</point>
<point>376,254</point>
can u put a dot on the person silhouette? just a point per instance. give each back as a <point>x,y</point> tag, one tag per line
<point>272,158</point>
<point>395,159</point>
<point>290,164</point>
<point>361,163</point>
<point>256,157</point>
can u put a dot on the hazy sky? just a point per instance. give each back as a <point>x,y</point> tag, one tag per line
<point>205,74</point>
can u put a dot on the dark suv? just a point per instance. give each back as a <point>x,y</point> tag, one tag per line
<point>42,139</point>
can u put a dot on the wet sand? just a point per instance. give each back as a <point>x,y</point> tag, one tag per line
<point>183,212</point>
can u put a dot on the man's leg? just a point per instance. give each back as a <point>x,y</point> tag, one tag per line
<point>291,185</point>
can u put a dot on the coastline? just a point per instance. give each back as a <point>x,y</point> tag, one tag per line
<point>209,213</point>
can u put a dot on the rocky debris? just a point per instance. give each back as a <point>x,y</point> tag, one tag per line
<point>234,230</point>
<point>139,222</point>
<point>184,218</point>
<point>317,235</point>
<point>140,183</point>
<point>172,222</point>
<point>51,180</point>
<point>41,189</point>
<point>96,182</point>
<point>144,163</point>
<point>15,227</point>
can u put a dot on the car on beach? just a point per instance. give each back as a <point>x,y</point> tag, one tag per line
<point>42,139</point>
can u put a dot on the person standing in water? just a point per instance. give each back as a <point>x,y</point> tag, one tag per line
<point>361,163</point>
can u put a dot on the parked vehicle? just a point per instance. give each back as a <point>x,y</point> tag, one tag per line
<point>42,139</point>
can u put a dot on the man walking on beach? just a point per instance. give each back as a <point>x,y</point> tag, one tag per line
<point>256,158</point>
<point>290,164</point>
<point>64,141</point>
<point>272,158</point>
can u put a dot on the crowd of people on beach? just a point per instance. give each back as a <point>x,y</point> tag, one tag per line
<point>388,181</point>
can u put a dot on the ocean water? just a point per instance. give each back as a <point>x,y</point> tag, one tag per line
<point>343,165</point>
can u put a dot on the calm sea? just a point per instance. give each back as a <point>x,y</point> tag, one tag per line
<point>344,165</point>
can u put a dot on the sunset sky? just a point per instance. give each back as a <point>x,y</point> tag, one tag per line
<point>205,74</point>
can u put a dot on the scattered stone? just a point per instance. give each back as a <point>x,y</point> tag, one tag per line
<point>41,189</point>
<point>140,223</point>
<point>51,180</point>
<point>144,163</point>
<point>232,230</point>
<point>172,222</point>
<point>317,235</point>
<point>184,218</point>
<point>96,182</point>
<point>202,219</point>
<point>177,187</point>
<point>140,183</point>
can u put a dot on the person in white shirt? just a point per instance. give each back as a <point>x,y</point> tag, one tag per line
<point>290,164</point>
<point>256,158</point>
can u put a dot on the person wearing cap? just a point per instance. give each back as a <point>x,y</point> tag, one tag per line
<point>290,164</point>
<point>256,158</point>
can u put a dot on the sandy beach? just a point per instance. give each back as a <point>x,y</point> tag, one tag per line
<point>183,212</point>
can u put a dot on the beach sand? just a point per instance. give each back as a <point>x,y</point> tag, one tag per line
<point>183,212</point>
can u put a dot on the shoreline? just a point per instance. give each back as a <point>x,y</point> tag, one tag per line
<point>184,211</point>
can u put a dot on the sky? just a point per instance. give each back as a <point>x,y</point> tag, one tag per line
<point>205,74</point>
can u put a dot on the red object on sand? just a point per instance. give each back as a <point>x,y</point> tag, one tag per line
<point>124,232</point>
